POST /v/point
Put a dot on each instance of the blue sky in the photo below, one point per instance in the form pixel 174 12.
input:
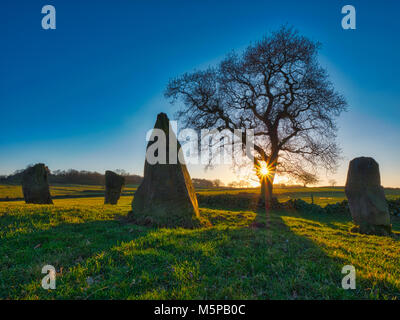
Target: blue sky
pixel 84 95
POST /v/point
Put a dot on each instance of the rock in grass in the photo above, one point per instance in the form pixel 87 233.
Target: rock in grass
pixel 166 196
pixel 367 202
pixel 35 186
pixel 114 185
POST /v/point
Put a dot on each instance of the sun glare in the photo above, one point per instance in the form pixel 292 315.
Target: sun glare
pixel 263 170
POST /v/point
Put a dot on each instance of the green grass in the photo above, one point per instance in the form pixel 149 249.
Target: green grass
pixel 99 256
pixel 322 195
pixel 61 190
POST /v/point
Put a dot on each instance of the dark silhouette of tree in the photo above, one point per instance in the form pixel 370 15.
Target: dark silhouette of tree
pixel 307 178
pixel 202 183
pixel 122 172
pixel 72 176
pixel 332 182
pixel 218 183
pixel 233 184
pixel 277 88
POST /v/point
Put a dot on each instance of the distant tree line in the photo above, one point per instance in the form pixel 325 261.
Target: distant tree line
pixel 84 177
pixel 204 183
pixel 72 176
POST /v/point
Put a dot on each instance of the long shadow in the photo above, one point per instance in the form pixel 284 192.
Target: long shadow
pixel 375 258
pixel 63 246
pixel 225 261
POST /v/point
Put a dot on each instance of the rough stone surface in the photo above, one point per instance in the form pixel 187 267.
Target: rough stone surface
pixel 367 202
pixel 35 186
pixel 114 185
pixel 166 196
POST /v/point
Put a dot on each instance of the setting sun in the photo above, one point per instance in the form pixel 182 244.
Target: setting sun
pixel 263 170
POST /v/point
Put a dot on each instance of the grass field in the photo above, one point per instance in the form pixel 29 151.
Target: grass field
pixel 99 256
pixel 322 195
pixel 65 190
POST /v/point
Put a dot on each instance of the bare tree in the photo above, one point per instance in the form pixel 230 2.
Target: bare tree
pixel 217 183
pixel 233 184
pixel 332 182
pixel 277 88
pixel 122 172
pixel 243 184
pixel 308 178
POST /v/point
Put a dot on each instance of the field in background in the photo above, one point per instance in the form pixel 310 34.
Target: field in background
pixel 63 190
pixel 99 256
pixel 322 195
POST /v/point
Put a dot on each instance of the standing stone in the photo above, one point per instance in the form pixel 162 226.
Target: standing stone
pixel 114 185
pixel 367 202
pixel 166 196
pixel 35 186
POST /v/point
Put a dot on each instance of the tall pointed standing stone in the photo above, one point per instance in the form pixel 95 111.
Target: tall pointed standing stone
pixel 367 202
pixel 166 197
pixel 114 185
pixel 35 186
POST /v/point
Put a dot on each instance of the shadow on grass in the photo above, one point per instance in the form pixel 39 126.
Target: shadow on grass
pixel 110 260
pixel 376 258
pixel 64 246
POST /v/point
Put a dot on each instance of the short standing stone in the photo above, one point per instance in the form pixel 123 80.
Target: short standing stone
pixel 367 202
pixel 166 196
pixel 114 185
pixel 35 186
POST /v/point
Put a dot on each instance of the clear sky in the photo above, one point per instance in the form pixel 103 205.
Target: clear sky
pixel 84 95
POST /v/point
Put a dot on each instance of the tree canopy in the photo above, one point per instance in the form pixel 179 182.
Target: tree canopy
pixel 277 88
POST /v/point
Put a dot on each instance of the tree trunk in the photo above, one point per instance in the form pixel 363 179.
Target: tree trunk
pixel 267 193
pixel 267 183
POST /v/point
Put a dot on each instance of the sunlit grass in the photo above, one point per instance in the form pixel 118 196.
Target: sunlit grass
pixel 321 195
pixel 67 190
pixel 98 256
